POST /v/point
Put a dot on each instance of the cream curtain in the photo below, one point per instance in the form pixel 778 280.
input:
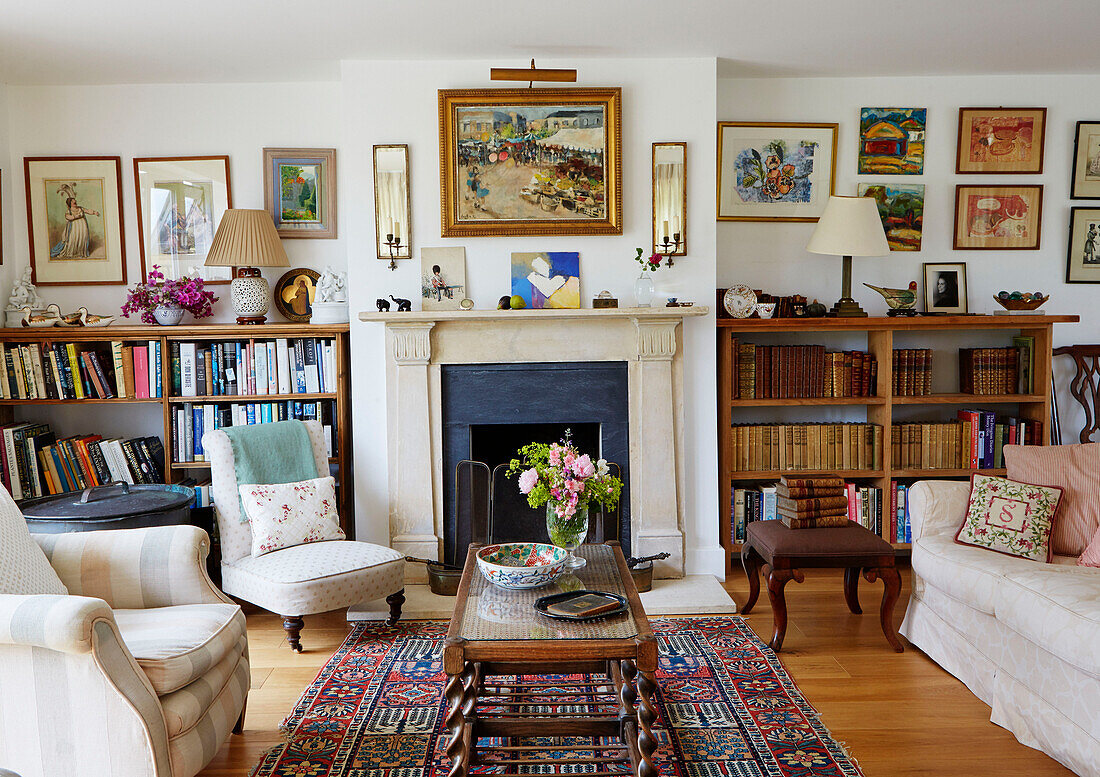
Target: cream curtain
pixel 390 201
pixel 669 180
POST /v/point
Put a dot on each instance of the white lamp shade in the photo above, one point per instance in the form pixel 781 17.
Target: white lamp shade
pixel 850 226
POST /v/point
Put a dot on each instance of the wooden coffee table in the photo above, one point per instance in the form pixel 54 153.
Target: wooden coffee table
pixel 496 635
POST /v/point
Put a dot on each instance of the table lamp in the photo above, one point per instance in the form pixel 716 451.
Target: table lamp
pixel 850 226
pixel 246 239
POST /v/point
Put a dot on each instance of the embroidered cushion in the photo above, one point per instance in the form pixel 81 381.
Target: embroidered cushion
pixel 1076 470
pixel 24 568
pixel 1010 517
pixel 1091 556
pixel 283 515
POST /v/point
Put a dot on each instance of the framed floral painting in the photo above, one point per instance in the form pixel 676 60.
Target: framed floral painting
pixel 998 217
pixel 1086 162
pixel 300 191
pixel 775 171
pixel 74 220
pixel 1001 140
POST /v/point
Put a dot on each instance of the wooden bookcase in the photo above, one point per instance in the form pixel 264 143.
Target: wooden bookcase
pixel 341 463
pixel 880 409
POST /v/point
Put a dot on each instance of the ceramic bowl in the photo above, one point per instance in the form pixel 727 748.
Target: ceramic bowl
pixel 765 309
pixel 522 564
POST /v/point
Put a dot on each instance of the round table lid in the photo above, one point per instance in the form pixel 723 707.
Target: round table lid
pixel 115 500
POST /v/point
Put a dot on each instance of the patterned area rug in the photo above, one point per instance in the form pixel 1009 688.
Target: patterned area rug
pixel 727 708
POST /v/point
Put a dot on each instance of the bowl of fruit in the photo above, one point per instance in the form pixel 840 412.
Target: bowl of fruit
pixel 1020 300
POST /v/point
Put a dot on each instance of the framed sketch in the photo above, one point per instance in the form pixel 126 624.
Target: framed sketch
pixel 775 171
pixel 74 220
pixel 1086 162
pixel 998 217
pixel 901 208
pixel 294 294
pixel 945 288
pixel 1083 249
pixel 530 161
pixel 180 202
pixel 891 140
pixel 1001 140
pixel 300 191
pixel 443 278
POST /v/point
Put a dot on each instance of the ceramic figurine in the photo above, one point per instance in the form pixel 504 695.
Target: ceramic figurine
pixel 23 294
pixel 382 305
pixel 902 302
pixel 331 286
pixel 403 305
pixel 40 320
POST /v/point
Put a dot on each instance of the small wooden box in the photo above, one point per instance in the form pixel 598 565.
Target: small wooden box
pixel 606 302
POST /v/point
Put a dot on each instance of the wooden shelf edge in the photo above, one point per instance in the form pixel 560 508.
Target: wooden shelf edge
pixel 808 401
pixel 945 473
pixel 774 474
pixel 189 332
pixel 968 399
pixel 248 399
pixel 872 323
pixel 85 401
pixel 206 464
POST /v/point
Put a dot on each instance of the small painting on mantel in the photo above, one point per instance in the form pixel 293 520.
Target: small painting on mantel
pixel 442 278
pixel 891 140
pixel 548 279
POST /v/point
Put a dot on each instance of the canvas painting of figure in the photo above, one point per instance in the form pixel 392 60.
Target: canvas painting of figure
pixel 549 279
pixel 901 208
pixel 442 278
pixel 891 141
pixel 998 217
pixel 1001 140
pixel 74 219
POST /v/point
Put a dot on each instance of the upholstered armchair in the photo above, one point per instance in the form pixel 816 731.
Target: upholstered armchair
pixel 141 671
pixel 304 579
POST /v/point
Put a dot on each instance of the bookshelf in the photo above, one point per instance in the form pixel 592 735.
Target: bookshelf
pixel 879 334
pixel 175 470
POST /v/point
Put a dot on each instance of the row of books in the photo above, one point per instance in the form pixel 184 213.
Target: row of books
pixel 35 463
pixel 801 371
pixel 300 365
pixel 55 370
pixel 862 504
pixel 912 372
pixel 806 446
pixel 191 420
pixel 990 370
pixel 975 440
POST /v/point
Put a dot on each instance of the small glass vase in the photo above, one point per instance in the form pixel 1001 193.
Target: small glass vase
pixel 567 531
pixel 643 290
pixel 168 315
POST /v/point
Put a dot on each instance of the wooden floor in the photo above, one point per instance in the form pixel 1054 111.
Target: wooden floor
pixel 897 714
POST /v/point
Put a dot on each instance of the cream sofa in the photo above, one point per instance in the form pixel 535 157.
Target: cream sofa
pixel 1024 637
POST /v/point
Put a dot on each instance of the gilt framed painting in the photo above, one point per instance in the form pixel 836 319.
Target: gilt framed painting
pixel 530 162
pixel 300 191
pixel 1086 162
pixel 993 218
pixel 775 171
pixel 74 220
pixel 1001 140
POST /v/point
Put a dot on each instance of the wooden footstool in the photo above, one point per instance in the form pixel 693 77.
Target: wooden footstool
pixel 782 553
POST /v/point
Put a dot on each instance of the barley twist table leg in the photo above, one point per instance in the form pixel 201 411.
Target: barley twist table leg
pixel 628 695
pixel 647 714
pixel 456 725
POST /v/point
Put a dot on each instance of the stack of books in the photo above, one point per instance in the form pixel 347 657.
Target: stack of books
pixel 912 374
pixel 800 446
pixel 191 420
pixel 812 502
pixel 989 370
pixel 299 365
pixel 81 370
pixel 801 371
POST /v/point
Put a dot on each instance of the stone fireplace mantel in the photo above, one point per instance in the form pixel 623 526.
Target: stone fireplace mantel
pixel 649 340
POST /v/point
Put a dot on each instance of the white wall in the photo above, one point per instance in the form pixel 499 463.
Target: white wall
pixel 7 176
pixel 396 102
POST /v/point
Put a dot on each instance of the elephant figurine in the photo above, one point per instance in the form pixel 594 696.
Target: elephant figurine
pixel 403 305
pixel 382 305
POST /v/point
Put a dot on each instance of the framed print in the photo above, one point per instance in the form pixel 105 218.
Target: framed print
pixel 891 140
pixel 530 162
pixel 1083 251
pixel 442 278
pixel 945 288
pixel 294 294
pixel 901 208
pixel 180 202
pixel 775 171
pixel 1001 140
pixel 1086 162
pixel 300 191
pixel 74 220
pixel 998 217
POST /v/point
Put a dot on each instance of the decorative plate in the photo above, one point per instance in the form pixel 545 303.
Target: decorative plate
pixel 740 301
pixel 522 564
pixel 294 294
pixel 546 601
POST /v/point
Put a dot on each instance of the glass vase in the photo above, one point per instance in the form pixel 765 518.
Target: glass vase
pixel 567 531
pixel 643 290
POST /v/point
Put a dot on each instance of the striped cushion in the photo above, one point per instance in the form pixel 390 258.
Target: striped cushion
pixel 177 645
pixel 1091 556
pixel 183 708
pixel 196 746
pixel 23 567
pixel 1076 470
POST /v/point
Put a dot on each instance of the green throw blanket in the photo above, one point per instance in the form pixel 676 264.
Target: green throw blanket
pixel 271 453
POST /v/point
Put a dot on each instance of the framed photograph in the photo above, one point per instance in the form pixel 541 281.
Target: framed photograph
pixel 1083 251
pixel 547 279
pixel 901 208
pixel 891 141
pixel 294 294
pixel 775 171
pixel 74 220
pixel 1001 140
pixel 998 217
pixel 300 191
pixel 180 202
pixel 945 288
pixel 1086 162
pixel 443 278
pixel 530 162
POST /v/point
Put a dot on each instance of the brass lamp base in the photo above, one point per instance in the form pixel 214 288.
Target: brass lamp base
pixel 847 308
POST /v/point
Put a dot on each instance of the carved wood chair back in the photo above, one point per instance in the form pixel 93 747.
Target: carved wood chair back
pixel 1085 384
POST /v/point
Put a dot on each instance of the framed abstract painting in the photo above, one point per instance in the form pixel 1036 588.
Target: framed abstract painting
pixel 1001 140
pixel 74 220
pixel 891 140
pixel 901 208
pixel 1086 162
pixel 998 217
pixel 547 279
pixel 1083 251
pixel 530 161
pixel 775 171
pixel 300 191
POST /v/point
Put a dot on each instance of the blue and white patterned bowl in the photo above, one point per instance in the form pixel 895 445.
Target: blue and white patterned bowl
pixel 522 564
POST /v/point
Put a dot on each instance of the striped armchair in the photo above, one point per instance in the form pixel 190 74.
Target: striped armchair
pixel 141 671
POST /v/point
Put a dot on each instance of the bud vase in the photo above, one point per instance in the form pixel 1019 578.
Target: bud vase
pixel 643 290
pixel 567 531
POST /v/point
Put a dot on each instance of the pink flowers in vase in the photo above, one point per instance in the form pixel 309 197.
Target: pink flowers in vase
pixel 157 291
pixel 651 262
pixel 561 474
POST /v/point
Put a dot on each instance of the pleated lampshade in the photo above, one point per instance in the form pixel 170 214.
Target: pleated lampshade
pixel 246 238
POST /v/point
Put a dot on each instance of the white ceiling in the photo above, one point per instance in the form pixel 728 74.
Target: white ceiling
pixel 143 41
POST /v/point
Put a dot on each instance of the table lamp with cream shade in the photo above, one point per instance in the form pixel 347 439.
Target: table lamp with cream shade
pixel 850 226
pixel 246 239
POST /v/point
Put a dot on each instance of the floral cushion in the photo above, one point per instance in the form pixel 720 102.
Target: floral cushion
pixel 283 515
pixel 1009 517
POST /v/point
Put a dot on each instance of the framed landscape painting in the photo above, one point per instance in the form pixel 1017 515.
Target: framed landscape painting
pixel 74 220
pixel 1083 252
pixel 1086 162
pixel 300 191
pixel 530 162
pixel 901 208
pixel 774 171
pixel 891 140
pixel 1001 140
pixel 998 217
